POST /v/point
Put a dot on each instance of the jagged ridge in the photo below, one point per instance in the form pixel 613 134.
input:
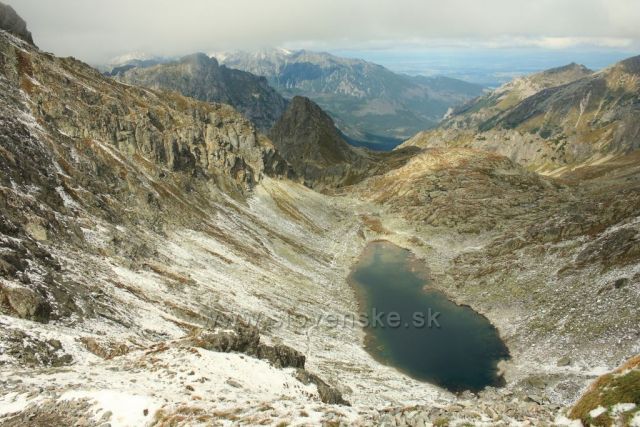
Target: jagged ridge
pixel 568 117
pixel 200 77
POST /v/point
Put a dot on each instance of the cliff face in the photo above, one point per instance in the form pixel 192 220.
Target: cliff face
pixel 74 101
pixel 307 138
pixel 77 149
pixel 201 77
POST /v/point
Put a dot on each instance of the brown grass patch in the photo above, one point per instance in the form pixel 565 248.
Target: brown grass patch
pixel 24 63
pixel 133 291
pixel 26 85
pixel 105 349
pixel 619 386
pixel 219 256
pixel 162 271
pixel 229 414
pixel 374 224
pixel 157 348
pixel 290 210
pixel 181 416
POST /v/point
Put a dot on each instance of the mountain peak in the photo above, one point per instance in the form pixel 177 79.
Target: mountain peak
pixel 631 65
pixel 309 141
pixel 11 22
pixel 307 105
pixel 306 121
pixel 559 75
pixel 572 67
pixel 199 59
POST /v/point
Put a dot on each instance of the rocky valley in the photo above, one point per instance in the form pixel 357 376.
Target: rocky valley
pixel 166 260
pixel 374 106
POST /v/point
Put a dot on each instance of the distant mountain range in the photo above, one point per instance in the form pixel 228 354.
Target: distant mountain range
pixel 372 106
pixel 369 103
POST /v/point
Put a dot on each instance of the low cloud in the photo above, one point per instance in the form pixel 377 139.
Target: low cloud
pixel 95 30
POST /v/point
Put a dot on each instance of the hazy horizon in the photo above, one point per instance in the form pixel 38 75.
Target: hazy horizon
pixel 408 36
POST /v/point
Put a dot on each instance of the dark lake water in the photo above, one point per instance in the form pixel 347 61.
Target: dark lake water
pixel 457 349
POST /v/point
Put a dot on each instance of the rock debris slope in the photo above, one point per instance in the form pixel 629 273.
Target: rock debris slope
pixel 139 234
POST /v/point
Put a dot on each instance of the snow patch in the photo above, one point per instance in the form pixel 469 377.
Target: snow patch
pixel 620 408
pixel 595 413
pixel 566 422
pixel 127 409
pixel 66 198
pixel 14 402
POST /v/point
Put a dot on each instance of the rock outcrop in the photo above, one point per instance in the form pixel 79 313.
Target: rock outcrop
pixel 24 302
pixel 12 22
pixel 306 137
pixel 328 394
pixel 308 140
pixel 246 339
pixel 197 138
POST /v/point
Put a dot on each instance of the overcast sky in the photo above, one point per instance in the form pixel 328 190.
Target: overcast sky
pixel 97 30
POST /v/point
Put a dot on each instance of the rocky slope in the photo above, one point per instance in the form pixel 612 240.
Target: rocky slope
pixel 368 102
pixel 102 185
pixel 540 258
pixel 201 77
pixel 551 122
pixel 477 111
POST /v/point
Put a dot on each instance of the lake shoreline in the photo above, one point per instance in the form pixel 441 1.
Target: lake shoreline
pixel 382 350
